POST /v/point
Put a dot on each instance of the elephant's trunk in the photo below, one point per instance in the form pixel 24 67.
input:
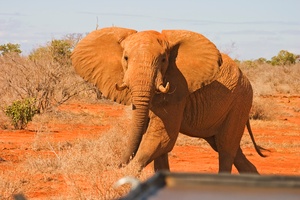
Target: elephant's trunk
pixel 141 94
pixel 138 126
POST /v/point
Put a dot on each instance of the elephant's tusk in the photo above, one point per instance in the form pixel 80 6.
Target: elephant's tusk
pixel 164 89
pixel 121 87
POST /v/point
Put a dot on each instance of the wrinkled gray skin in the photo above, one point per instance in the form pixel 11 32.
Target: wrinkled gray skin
pixel 177 81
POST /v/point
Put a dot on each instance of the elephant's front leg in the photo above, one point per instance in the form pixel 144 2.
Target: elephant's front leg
pixel 160 137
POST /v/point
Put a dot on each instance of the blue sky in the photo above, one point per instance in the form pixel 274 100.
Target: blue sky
pixel 245 29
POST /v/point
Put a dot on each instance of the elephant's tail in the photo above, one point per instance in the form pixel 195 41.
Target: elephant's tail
pixel 257 148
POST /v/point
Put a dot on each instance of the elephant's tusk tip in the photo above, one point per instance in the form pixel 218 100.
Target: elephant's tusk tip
pixel 164 89
pixel 121 87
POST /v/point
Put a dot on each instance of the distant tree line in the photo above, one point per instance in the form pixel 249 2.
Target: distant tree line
pixel 283 58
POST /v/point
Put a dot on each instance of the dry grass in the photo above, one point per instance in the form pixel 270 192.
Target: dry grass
pixel 88 167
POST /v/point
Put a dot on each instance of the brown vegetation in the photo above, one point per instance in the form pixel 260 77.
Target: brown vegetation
pixel 269 80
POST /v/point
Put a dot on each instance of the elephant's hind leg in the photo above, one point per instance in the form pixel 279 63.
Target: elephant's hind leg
pixel 242 164
pixel 228 139
pixel 162 163
pixel 226 157
pixel 225 162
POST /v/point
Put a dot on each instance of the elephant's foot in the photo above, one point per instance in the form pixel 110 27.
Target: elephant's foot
pixel 243 165
pixel 133 168
pixel 249 169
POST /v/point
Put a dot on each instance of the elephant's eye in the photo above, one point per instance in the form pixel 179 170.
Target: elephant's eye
pixel 126 58
pixel 163 58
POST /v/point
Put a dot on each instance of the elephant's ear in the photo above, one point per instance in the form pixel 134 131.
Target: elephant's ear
pixel 195 56
pixel 97 58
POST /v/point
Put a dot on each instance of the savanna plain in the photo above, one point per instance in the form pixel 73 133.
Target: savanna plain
pixel 71 148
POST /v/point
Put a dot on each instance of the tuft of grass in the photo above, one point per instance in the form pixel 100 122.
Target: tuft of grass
pixel 261 109
pixel 10 185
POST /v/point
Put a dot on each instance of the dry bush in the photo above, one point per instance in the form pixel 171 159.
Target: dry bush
pixel 262 109
pixel 5 121
pixel 45 80
pixel 265 108
pixel 273 80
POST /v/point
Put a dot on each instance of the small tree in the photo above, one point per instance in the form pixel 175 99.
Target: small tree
pixel 283 58
pixel 10 48
pixel 59 50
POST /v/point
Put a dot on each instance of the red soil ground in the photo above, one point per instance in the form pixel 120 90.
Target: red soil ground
pixel 283 158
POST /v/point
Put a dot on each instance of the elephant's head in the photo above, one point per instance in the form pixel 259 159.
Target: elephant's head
pixel 130 67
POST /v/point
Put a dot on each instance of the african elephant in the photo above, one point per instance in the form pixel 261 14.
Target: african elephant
pixel 175 82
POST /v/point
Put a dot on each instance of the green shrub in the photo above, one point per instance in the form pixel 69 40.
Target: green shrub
pixel 21 112
pixel 283 58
